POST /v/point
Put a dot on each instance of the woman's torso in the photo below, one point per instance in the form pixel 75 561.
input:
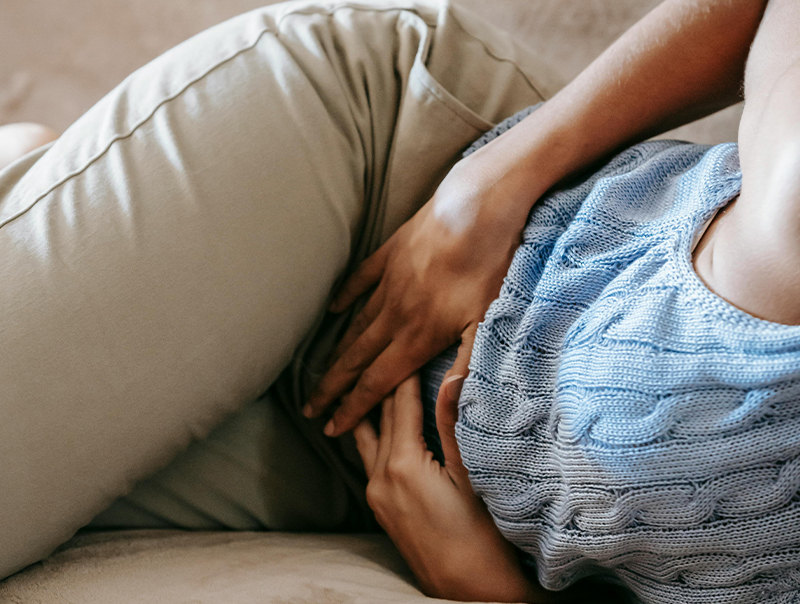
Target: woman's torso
pixel 621 419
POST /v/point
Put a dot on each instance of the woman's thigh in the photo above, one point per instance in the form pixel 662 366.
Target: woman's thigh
pixel 172 253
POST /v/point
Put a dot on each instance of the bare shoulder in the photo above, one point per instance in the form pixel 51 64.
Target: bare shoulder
pixel 751 256
pixel 775 49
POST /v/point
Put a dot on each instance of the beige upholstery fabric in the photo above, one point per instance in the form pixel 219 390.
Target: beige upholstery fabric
pixel 169 567
pixel 176 567
pixel 61 56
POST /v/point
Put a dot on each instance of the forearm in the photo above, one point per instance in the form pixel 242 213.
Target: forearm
pixel 682 61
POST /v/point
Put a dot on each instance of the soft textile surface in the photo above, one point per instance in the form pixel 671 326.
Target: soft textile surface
pixel 171 567
pixel 61 56
pixel 174 567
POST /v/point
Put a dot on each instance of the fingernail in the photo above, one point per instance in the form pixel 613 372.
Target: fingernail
pixel 453 386
pixel 330 428
pixel 308 410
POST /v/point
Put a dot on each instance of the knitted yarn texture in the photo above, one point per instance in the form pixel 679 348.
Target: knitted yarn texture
pixel 621 420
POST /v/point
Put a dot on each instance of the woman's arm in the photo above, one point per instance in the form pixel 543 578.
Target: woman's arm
pixel 682 61
pixel 436 276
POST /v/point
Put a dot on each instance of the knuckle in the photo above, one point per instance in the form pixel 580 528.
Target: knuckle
pixel 369 386
pixel 376 494
pixel 420 332
pixel 394 305
pixel 413 332
pixel 351 363
pixel 398 469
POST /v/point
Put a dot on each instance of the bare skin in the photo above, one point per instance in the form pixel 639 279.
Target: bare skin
pixel 750 255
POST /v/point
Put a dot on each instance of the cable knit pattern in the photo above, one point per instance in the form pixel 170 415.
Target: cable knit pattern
pixel 620 419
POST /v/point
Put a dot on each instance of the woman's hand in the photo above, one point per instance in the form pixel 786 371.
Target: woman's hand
pixel 441 528
pixel 436 277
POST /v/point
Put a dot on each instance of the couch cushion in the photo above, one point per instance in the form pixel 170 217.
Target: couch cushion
pixel 171 567
pixel 98 42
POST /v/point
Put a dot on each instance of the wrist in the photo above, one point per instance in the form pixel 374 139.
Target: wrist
pixel 530 159
pixel 559 140
pixel 516 589
pixel 490 573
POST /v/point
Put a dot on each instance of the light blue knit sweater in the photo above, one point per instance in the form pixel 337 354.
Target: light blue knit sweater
pixel 620 419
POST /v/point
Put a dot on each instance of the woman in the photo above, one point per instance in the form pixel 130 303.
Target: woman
pixel 106 269
pixel 747 255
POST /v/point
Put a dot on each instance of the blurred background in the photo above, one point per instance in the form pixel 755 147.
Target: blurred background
pixel 59 57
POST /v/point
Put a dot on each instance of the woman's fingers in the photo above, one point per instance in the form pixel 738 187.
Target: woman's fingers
pixel 364 277
pixel 348 367
pixel 367 445
pixel 385 442
pixel 461 364
pixel 363 320
pixel 407 429
pixel 447 406
pixel 447 415
pixel 390 368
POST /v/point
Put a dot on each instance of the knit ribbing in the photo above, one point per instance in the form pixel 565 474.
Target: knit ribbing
pixel 619 418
